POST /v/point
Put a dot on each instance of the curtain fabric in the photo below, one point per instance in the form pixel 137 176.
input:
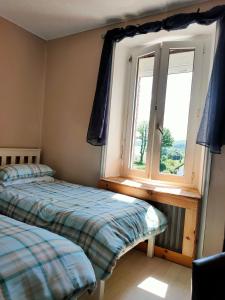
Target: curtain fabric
pixel 212 129
pixel 97 129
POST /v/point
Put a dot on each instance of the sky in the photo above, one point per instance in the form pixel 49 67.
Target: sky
pixel 177 103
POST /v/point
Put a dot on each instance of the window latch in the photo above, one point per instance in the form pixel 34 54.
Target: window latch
pixel 160 129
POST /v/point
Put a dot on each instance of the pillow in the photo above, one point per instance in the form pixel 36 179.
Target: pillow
pixel 26 180
pixel 13 172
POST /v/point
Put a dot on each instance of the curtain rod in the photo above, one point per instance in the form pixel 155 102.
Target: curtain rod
pixel 104 34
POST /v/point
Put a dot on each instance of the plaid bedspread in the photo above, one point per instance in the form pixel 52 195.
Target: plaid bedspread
pixel 39 265
pixel 103 223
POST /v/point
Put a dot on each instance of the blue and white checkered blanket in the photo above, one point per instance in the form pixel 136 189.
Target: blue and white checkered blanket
pixel 103 223
pixel 39 265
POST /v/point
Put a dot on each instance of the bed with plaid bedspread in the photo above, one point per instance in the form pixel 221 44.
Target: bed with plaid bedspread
pixel 103 223
pixel 37 264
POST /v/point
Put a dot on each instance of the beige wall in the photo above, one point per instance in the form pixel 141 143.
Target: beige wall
pixel 22 61
pixel 72 65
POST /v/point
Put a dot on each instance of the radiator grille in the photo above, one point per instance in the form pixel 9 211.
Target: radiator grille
pixel 172 238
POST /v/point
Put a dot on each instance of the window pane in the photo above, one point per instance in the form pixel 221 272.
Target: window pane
pixel 178 94
pixel 142 112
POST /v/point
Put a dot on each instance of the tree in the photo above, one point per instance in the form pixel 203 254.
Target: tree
pixel 162 166
pixel 167 139
pixel 143 136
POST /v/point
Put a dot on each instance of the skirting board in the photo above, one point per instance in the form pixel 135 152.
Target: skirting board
pixel 168 254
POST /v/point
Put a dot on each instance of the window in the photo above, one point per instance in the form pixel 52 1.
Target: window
pixel 165 101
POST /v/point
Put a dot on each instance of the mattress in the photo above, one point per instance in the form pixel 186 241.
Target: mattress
pixel 37 264
pixel 103 223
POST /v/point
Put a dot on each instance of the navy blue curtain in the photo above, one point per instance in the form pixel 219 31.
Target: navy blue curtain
pixel 212 129
pixel 97 129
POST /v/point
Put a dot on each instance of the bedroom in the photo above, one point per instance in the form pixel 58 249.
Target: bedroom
pixel 48 79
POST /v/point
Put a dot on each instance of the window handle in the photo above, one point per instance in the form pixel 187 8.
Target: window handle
pixel 160 129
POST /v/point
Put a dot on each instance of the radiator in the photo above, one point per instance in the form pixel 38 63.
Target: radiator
pixel 172 238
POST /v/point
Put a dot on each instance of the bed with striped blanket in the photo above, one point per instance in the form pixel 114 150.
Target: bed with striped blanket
pixel 103 223
pixel 37 264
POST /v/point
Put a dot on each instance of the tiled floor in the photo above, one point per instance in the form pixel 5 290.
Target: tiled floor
pixel 138 277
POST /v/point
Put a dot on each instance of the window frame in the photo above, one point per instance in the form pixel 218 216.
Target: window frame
pixel 130 127
pixel 195 105
pixel 162 51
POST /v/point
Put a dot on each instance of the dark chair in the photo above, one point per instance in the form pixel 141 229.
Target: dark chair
pixel 208 278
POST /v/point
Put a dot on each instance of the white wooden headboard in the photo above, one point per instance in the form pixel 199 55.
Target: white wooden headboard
pixel 11 156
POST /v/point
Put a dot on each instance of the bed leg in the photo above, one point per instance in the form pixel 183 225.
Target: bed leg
pixel 151 245
pixel 98 292
pixel 101 289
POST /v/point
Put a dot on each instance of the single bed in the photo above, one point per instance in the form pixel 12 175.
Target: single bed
pixel 106 225
pixel 37 264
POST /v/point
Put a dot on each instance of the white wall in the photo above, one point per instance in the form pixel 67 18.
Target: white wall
pixel 215 213
pixel 117 112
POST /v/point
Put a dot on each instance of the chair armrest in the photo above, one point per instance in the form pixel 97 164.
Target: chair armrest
pixel 208 278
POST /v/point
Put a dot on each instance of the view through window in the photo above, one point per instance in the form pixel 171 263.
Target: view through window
pixel 143 106
pixel 175 125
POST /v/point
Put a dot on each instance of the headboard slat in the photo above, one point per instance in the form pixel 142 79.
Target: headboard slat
pixel 13 160
pixel 3 162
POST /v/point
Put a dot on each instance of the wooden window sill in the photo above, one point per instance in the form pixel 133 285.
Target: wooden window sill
pixel 158 191
pixel 156 185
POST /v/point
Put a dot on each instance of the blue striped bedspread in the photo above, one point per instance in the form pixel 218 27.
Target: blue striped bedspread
pixel 39 265
pixel 103 223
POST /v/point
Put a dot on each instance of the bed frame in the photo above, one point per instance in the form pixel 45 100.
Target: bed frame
pixel 9 156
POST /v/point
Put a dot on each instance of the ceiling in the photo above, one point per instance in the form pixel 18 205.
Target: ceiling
pixel 51 19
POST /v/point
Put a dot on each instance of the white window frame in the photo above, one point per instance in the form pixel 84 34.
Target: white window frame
pixel 157 111
pixel 129 140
